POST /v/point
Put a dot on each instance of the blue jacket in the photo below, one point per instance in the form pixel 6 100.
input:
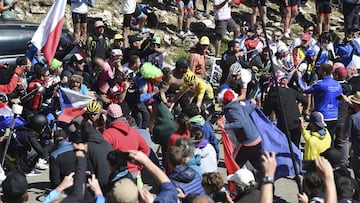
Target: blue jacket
pixel 187 179
pixel 238 119
pixel 325 92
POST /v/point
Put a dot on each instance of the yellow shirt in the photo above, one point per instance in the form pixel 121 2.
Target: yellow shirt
pixel 202 89
pixel 315 143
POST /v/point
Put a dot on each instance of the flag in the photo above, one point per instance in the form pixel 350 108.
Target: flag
pixel 274 140
pixel 72 104
pixel 46 37
pixel 6 117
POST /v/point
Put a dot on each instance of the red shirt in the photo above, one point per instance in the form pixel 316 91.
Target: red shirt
pixel 177 135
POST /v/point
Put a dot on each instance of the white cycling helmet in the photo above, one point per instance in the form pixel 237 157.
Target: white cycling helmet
pixel 235 69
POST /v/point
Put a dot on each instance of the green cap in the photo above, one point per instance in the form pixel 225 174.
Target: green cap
pixel 156 40
pixel 55 64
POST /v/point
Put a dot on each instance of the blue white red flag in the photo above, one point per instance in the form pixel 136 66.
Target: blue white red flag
pixel 6 117
pixel 72 104
pixel 47 36
pixel 274 140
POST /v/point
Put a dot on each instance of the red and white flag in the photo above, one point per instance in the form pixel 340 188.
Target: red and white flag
pixel 73 104
pixel 47 36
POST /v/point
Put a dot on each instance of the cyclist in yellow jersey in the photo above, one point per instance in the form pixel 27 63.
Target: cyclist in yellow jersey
pixel 198 87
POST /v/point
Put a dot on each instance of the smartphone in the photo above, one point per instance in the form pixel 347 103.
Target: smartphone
pixel 308 166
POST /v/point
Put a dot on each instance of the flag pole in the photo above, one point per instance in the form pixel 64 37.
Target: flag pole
pixel 287 131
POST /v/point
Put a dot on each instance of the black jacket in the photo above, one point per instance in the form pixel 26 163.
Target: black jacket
pixel 290 99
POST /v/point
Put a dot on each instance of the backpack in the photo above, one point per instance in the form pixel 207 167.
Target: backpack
pixel 92 44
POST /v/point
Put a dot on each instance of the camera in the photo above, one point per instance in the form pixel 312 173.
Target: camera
pixel 219 196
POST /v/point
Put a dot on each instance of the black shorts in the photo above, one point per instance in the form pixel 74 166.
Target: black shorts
pixel 289 3
pixel 254 3
pixel 127 17
pixel 323 7
pixel 79 18
pixel 222 25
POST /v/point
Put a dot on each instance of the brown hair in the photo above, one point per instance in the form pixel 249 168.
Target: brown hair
pixel 212 180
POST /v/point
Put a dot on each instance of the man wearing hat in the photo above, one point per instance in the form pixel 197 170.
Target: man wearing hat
pixel 352 131
pixel 197 58
pixel 245 186
pixel 76 84
pixel 238 120
pixel 76 66
pixel 136 47
pixel 56 68
pixel 118 42
pixel 123 137
pixel 98 45
pixel 318 139
pixel 299 52
pixel 154 53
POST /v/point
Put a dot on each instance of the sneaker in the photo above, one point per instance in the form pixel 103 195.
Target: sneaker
pixel 41 160
pixel 34 172
pixel 189 33
pixel 41 164
pixel 181 33
pixel 144 30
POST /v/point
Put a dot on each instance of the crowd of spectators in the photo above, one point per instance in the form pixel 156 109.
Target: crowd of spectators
pixel 107 154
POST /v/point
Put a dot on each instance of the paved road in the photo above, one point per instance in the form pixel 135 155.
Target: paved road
pixel 286 189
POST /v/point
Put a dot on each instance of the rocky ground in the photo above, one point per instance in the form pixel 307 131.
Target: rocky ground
pixel 110 12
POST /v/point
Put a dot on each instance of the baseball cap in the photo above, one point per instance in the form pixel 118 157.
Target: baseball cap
pixel 306 36
pixel 118 37
pixel 124 191
pixel 77 57
pixel 204 40
pixel 134 38
pixel 242 177
pixel 55 64
pixel 116 52
pixel 59 136
pixel 99 23
pixel 341 72
pixel 318 118
pixel 15 185
pixel 282 49
pixel 114 110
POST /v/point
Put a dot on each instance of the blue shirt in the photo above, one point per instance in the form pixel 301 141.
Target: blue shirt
pixel 325 93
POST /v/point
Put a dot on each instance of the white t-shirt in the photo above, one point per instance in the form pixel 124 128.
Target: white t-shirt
pixel 208 158
pixel 274 46
pixel 128 6
pixel 224 13
pixel 79 7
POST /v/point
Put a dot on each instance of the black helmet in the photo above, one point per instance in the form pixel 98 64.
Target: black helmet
pixel 38 122
pixel 182 63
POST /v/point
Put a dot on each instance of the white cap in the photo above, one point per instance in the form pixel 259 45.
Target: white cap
pixel 242 177
pixel 116 52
